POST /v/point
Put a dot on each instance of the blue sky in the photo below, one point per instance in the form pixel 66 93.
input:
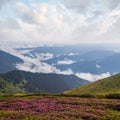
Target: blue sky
pixel 60 21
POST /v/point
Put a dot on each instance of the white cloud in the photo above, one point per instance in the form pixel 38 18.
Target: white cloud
pixel 44 56
pixel 65 61
pixel 81 6
pixel 66 72
pixel 93 77
pixel 35 65
pixel 71 54
pixel 3 3
pixel 61 21
pixel 33 16
pixel 98 66
pixel 111 4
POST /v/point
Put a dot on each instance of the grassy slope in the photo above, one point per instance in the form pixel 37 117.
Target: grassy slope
pixel 101 87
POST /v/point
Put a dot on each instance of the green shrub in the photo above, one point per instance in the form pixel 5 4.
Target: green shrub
pixel 113 96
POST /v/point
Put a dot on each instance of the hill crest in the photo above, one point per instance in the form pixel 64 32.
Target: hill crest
pixel 101 87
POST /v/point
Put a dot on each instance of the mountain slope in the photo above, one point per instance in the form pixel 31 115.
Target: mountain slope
pixel 40 82
pixel 8 61
pixel 7 87
pixel 111 63
pixel 104 86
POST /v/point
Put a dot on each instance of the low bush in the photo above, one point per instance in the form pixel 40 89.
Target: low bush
pixel 113 96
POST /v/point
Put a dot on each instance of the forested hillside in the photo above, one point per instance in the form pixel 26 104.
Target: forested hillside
pixel 41 82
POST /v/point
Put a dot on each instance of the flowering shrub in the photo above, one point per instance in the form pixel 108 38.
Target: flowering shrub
pixel 58 108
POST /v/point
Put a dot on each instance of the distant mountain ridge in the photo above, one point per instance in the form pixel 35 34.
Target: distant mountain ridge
pixel 111 63
pixel 8 62
pixel 101 87
pixel 76 59
pixel 87 62
pixel 41 82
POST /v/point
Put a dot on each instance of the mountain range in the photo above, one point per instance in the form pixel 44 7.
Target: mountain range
pixel 63 60
pixel 79 59
pixel 39 82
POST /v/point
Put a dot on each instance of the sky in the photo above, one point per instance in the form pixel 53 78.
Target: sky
pixel 60 21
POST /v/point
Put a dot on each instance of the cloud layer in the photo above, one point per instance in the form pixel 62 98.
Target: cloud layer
pixel 93 77
pixel 61 21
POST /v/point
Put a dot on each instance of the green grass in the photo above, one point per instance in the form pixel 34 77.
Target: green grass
pixel 106 86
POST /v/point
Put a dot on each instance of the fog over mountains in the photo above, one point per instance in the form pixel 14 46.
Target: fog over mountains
pixel 89 62
pixel 94 24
